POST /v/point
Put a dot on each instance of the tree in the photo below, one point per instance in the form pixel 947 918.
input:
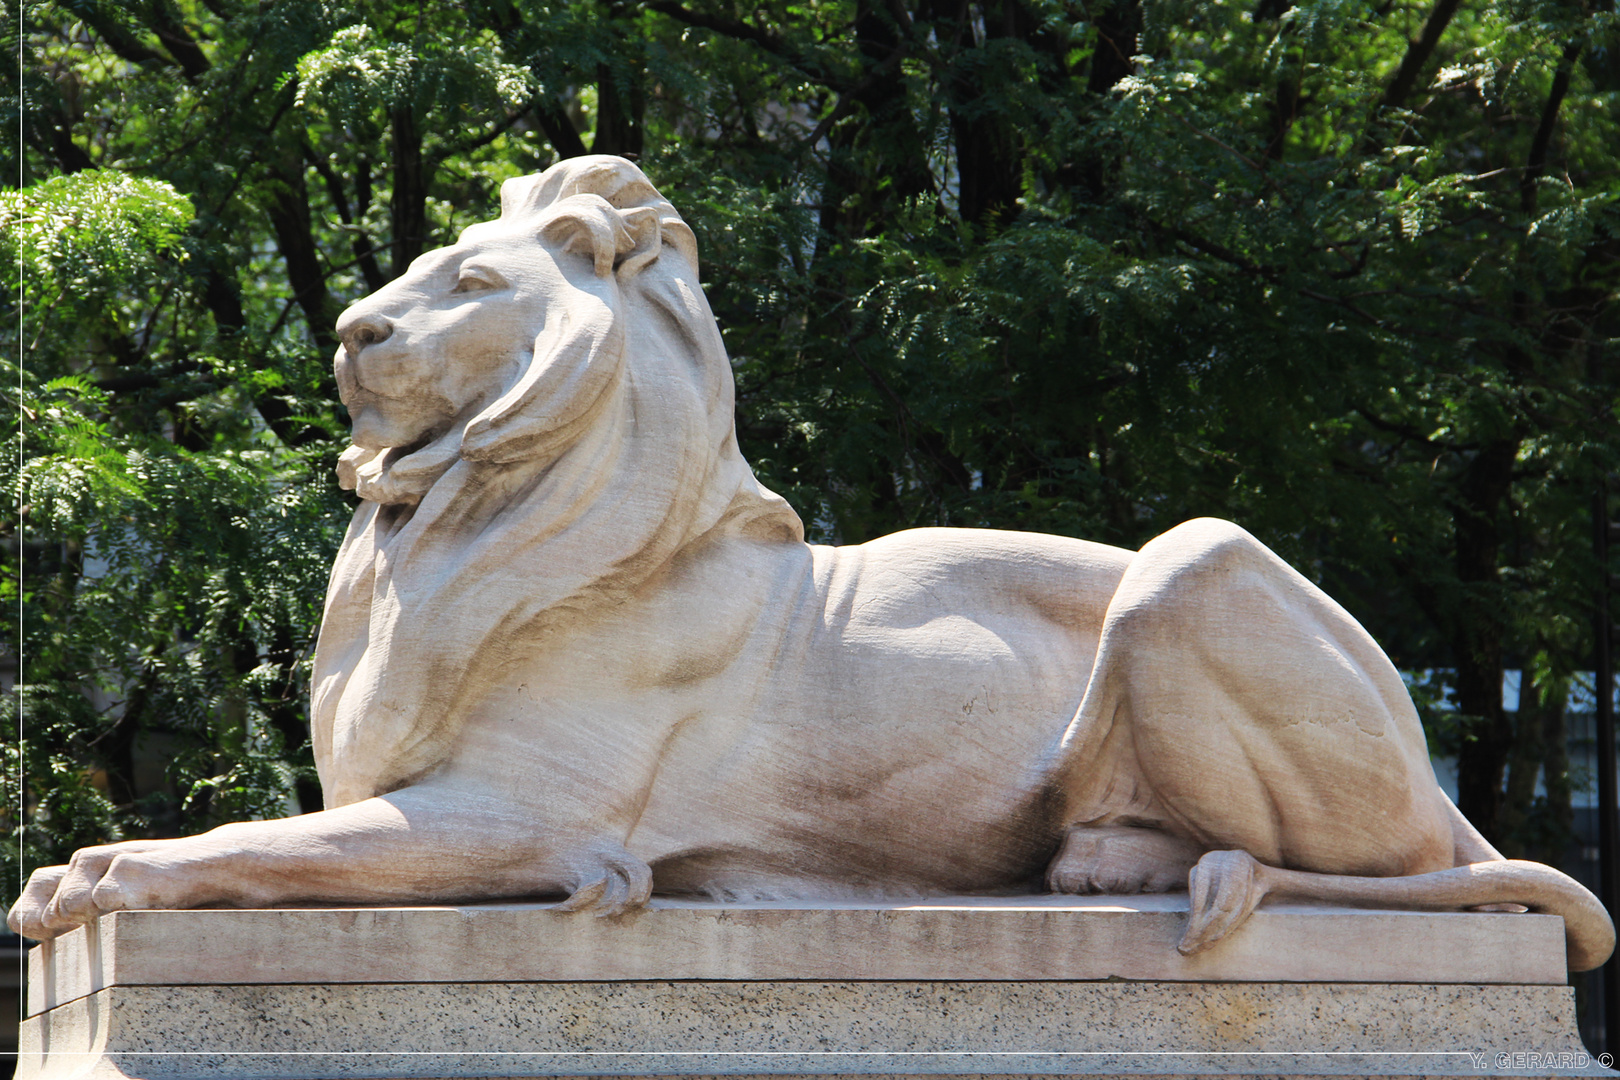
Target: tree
pixel 1343 272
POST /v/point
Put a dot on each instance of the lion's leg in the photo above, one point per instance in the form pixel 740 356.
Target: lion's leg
pixel 1116 860
pixel 417 844
pixel 1259 715
pixel 1256 716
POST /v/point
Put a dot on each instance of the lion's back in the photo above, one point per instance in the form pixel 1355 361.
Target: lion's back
pixel 988 573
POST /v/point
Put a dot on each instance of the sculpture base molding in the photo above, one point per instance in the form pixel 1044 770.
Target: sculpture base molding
pixel 401 998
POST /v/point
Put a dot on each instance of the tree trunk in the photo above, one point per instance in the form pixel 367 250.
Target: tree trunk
pixel 409 201
pixel 989 161
pixel 1560 824
pixel 620 105
pixel 559 130
pixel 1477 634
pixel 857 195
pixel 290 216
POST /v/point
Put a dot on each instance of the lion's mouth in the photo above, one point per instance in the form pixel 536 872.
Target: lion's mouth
pixel 396 453
pixel 350 392
pixel 354 393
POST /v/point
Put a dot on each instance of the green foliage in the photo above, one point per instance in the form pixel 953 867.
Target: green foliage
pixel 357 76
pixel 1090 268
pixel 81 240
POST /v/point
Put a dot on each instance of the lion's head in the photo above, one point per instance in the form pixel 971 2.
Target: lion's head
pixel 542 417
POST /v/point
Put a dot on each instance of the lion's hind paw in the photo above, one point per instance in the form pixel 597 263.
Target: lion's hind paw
pixel 1225 887
pixel 1119 860
pixel 618 883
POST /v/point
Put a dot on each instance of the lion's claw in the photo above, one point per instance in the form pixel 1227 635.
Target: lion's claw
pixel 585 896
pixel 27 915
pixel 621 883
pixel 1224 889
pixel 96 881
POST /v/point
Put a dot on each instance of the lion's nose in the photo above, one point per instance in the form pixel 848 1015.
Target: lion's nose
pixel 358 331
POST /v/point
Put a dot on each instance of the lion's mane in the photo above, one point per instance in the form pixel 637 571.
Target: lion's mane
pixel 612 450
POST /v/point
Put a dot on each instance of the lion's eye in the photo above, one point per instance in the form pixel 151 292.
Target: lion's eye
pixel 477 281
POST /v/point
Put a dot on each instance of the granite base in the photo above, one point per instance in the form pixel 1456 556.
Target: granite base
pixel 805 1029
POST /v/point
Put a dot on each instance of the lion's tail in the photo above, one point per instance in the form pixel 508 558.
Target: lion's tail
pixel 1480 877
pixel 1588 931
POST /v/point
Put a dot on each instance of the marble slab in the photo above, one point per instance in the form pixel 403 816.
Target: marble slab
pixel 951 939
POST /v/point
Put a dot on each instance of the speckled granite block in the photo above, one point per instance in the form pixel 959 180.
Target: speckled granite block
pixel 913 1029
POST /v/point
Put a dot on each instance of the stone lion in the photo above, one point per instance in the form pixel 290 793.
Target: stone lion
pixel 572 647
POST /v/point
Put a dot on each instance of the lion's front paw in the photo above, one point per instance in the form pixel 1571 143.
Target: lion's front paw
pixel 95 881
pixel 609 883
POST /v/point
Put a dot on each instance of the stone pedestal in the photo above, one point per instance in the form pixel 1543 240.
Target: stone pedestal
pixel 985 987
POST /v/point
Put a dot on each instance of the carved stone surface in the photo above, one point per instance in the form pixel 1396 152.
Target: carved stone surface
pixel 947 987
pixel 951 940
pixel 573 648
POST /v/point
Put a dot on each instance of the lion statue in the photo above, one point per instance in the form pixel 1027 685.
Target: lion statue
pixel 572 647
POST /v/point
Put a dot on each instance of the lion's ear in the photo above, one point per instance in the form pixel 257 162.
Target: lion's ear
pixel 646 236
pixel 615 240
pixel 586 225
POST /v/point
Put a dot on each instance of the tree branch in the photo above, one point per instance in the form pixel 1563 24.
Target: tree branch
pixel 742 31
pixel 1536 164
pixel 117 38
pixel 180 44
pixel 848 98
pixel 484 138
pixel 1116 25
pixel 70 156
pixel 145 380
pixel 1411 434
pixel 295 299
pixel 1418 51
pixel 733 28
pixel 364 249
pixel 559 131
